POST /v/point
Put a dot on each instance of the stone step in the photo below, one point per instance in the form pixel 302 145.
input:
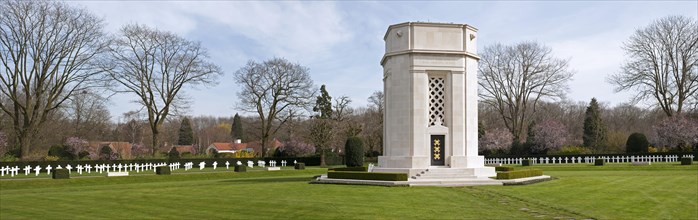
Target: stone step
pixel 455 182
pixel 444 175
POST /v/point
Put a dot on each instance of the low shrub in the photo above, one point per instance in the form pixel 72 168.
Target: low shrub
pixel 686 161
pixel 367 176
pixel 599 162
pixel 240 168
pixel 364 169
pixel 60 174
pixel 503 169
pixel 173 154
pixel 299 166
pixel 637 143
pixel 526 162
pixel 163 170
pixel 51 158
pixel 515 174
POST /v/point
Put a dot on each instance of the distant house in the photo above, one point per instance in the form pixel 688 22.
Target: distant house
pixel 122 148
pixel 222 147
pixel 254 146
pixel 185 149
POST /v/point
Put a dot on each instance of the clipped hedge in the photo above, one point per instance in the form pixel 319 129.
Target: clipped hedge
pixel 299 166
pixel 503 169
pixel 240 168
pixel 364 169
pixel 686 161
pixel 163 170
pixel 526 162
pixel 60 174
pixel 516 174
pixel 367 176
pixel 599 162
pixel 354 152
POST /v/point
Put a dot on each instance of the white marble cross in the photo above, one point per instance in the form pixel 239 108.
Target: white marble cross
pixel 250 164
pixel 227 165
pixel 2 171
pixel 202 165
pixel 215 164
pixel 48 169
pixel 27 169
pixel 283 163
pixel 79 169
pixel 36 170
pixel 88 168
pixel 68 167
pixel 239 163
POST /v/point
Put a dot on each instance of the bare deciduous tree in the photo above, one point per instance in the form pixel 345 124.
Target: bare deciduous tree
pixel 47 49
pixel 662 64
pixel 513 77
pixel 155 66
pixel 88 113
pixel 276 90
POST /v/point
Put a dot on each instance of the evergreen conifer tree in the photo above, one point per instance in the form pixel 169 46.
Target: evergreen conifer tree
pixel 594 129
pixel 186 134
pixel 237 132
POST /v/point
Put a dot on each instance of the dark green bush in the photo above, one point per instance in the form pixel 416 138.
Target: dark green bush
pixel 163 170
pixel 527 163
pixel 240 168
pixel 365 169
pixel 173 154
pixel 60 174
pixel 686 161
pixel 299 166
pixel 60 152
pixel 367 176
pixel 599 162
pixel 637 143
pixel 105 153
pixel 504 169
pixel 354 152
pixel 515 174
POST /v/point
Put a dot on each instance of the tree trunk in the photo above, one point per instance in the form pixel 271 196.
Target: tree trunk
pixel 155 140
pixel 322 157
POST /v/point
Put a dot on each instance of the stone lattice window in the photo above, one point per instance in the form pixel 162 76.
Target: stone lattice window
pixel 437 100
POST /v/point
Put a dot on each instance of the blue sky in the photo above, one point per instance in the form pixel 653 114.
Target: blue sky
pixel 342 42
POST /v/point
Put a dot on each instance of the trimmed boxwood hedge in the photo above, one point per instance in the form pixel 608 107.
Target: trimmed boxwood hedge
pixel 503 168
pixel 60 174
pixel 599 162
pixel 299 166
pixel 163 170
pixel 367 176
pixel 526 162
pixel 240 168
pixel 364 169
pixel 686 161
pixel 515 174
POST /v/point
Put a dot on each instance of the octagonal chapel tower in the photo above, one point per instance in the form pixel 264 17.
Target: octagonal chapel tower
pixel 430 85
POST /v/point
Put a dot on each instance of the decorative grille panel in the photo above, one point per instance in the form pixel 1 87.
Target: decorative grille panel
pixel 437 100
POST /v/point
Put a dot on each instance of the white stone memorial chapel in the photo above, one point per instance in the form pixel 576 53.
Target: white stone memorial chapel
pixel 430 86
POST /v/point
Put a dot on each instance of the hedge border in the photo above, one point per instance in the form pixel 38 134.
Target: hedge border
pixel 163 170
pixel 364 169
pixel 60 174
pixel 516 174
pixel 503 169
pixel 366 176
pixel 686 161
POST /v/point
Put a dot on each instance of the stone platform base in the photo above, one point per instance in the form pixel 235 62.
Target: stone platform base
pixel 445 182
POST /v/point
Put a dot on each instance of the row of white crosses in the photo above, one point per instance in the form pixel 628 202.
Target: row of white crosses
pixel 588 159
pixel 101 168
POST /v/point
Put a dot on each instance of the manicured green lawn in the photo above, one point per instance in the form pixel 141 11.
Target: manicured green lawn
pixel 661 191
